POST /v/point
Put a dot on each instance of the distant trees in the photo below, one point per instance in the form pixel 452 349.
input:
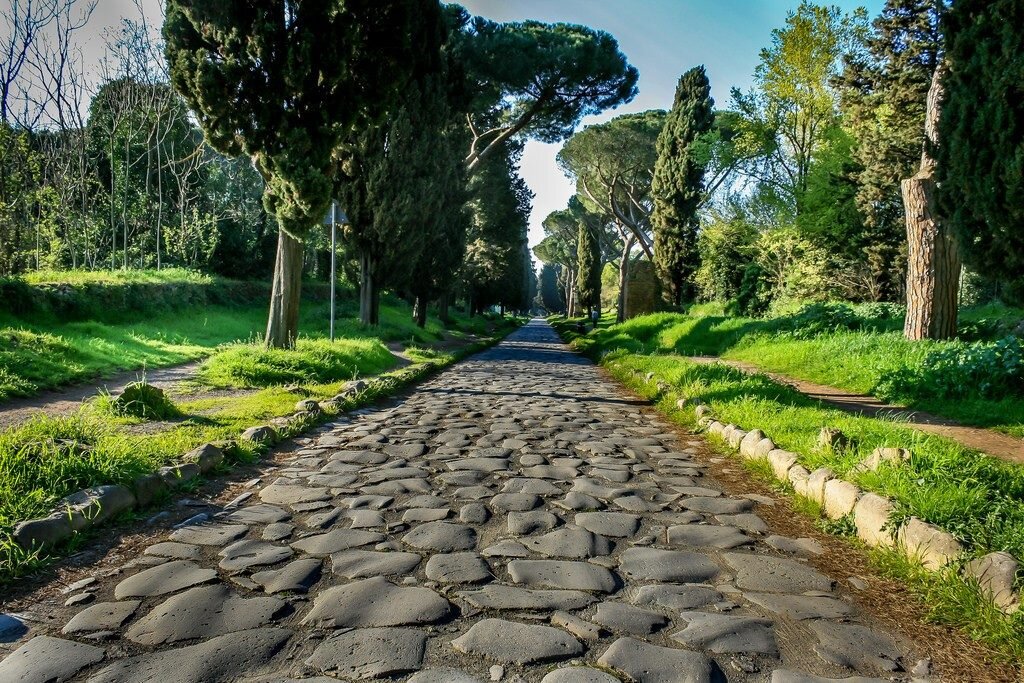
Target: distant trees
pixel 677 187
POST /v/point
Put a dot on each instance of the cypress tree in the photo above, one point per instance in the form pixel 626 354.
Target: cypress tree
pixel 282 81
pixel 981 137
pixel 588 259
pixel 678 185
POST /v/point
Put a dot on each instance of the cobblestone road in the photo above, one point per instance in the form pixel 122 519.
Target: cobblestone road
pixel 516 518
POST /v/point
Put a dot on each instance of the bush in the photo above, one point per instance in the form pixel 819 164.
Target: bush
pixel 141 399
pixel 960 370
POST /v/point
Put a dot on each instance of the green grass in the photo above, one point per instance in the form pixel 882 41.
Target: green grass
pixel 860 361
pixel 318 361
pixel 149 276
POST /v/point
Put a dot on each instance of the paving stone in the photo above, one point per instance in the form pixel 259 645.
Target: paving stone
pixel 499 597
pixel 420 515
pixel 511 642
pixel 442 537
pixel 787 676
pixel 223 659
pixel 765 574
pixel 625 618
pixel 464 567
pixel 258 514
pixel 802 606
pixel 103 616
pixel 211 533
pixel 163 579
pixel 612 524
pixel 177 551
pixel 582 629
pixel 376 602
pixel 294 577
pixel 517 502
pixel 525 523
pixel 12 628
pixel 653 564
pixel 727 634
pixel 646 663
pixel 277 531
pixel 855 647
pixel 539 487
pixel 571 542
pixel 203 612
pixel 801 547
pixel 359 564
pixel 474 513
pixel 745 521
pixel 507 548
pixel 277 494
pixel 578 674
pixel 574 500
pixel 562 574
pixel 717 506
pixel 335 541
pixel 45 659
pixel 707 535
pixel 248 553
pixel 370 653
pixel 676 598
pixel 443 675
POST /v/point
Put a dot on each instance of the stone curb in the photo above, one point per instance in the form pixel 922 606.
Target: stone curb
pixel 88 508
pixel 871 513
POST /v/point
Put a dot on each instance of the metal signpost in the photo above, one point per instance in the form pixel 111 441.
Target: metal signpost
pixel 334 216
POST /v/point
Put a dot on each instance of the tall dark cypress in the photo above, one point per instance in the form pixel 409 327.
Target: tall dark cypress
pixel 678 185
pixel 981 138
pixel 588 259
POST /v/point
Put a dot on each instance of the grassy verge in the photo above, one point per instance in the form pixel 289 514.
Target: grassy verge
pixel 979 499
pixel 851 351
pixel 51 457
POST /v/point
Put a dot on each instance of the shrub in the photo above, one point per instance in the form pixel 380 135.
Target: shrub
pixel 960 370
pixel 141 399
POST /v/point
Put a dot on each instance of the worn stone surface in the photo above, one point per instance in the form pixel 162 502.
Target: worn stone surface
pixel 517 518
pixel 514 643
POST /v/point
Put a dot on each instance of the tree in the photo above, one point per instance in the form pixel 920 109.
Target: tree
pixel 537 80
pixel 981 134
pixel 588 258
pixel 934 261
pixel 677 187
pixel 883 91
pixel 789 113
pixel 307 73
pixel 551 296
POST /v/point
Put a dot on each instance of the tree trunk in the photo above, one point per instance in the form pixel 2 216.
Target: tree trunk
pixel 283 322
pixel 419 312
pixel 934 263
pixel 368 309
pixel 620 315
pixel 442 308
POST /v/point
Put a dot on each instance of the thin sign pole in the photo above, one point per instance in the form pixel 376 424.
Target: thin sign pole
pixel 334 243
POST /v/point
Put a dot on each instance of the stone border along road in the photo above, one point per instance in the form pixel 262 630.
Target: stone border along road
pixel 515 516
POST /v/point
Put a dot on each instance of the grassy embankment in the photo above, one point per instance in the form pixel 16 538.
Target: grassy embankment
pixel 50 457
pixel 978 498
pixel 857 350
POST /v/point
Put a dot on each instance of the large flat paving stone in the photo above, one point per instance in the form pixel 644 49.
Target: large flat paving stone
pixel 294 577
pixel 247 553
pixel 47 660
pixel 571 542
pixel 103 616
pixel 727 634
pixel 500 597
pixel 278 494
pixel 223 659
pixel 370 653
pixel 856 647
pixel 624 618
pixel 163 579
pixel 646 663
pixel 578 674
pixel 801 607
pixel 443 675
pixel 562 574
pixel 766 574
pixel 360 564
pixel 511 642
pixel 613 524
pixel 676 598
pixel 203 612
pixel 707 535
pixel 464 567
pixel 376 602
pixel 654 564
pixel 212 533
pixel 322 545
pixel 261 513
pixel 442 537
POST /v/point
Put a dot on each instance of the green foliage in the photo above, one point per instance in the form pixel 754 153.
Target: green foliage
pixel 677 187
pixel 990 370
pixel 550 293
pixel 588 258
pixel 312 360
pixel 981 158
pixel 141 400
pixel 726 248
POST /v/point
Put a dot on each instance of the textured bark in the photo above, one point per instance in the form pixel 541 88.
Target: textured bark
pixel 419 312
pixel 369 299
pixel 934 262
pixel 442 308
pixel 624 278
pixel 283 321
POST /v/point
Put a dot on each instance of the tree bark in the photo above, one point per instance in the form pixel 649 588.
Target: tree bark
pixel 934 262
pixel 442 308
pixel 620 315
pixel 369 307
pixel 283 321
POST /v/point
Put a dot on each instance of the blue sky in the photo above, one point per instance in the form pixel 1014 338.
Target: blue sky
pixel 662 38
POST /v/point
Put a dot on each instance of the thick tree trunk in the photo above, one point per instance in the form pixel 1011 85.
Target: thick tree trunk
pixel 620 315
pixel 419 312
pixel 368 307
pixel 283 321
pixel 934 263
pixel 442 308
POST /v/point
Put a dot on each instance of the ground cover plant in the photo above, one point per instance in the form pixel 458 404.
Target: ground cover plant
pixel 859 348
pixel 977 498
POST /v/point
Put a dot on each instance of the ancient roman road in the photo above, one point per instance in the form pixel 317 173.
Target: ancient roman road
pixel 516 517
